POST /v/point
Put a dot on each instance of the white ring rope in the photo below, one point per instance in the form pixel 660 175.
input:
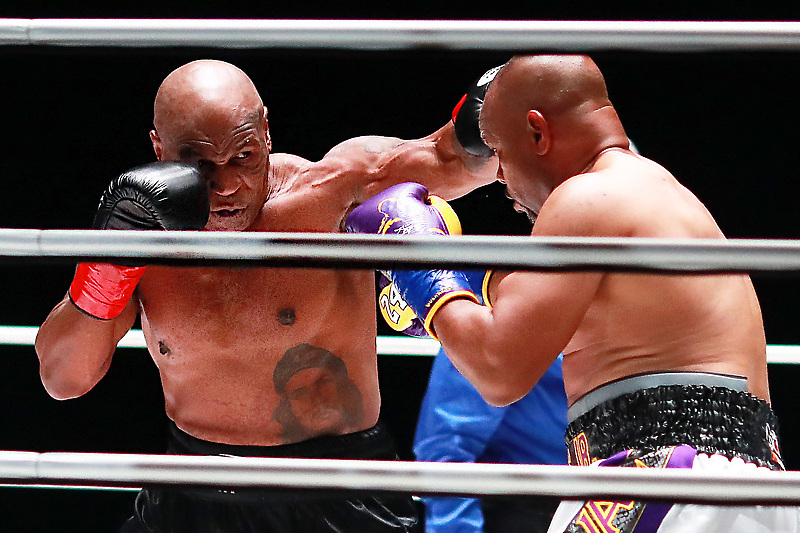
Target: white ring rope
pixel 387 345
pixel 87 469
pixel 655 36
pixel 191 248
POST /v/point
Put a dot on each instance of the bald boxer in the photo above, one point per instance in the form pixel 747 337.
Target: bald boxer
pixel 267 362
pixel 660 371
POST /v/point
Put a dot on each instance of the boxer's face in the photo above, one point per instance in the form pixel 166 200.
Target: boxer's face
pixel 231 147
pixel 505 133
pixel 316 400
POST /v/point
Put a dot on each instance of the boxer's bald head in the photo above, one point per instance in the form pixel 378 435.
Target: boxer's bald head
pixel 552 83
pixel 547 117
pixel 209 113
pixel 205 90
pixel 564 87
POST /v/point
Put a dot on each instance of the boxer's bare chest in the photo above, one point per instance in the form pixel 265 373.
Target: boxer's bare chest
pixel 219 336
pixel 250 310
pixel 222 333
pixel 241 308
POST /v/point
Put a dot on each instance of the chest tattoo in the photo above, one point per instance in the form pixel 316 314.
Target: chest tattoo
pixel 317 396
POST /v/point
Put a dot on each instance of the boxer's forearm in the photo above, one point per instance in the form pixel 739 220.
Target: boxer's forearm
pixel 465 331
pixel 75 349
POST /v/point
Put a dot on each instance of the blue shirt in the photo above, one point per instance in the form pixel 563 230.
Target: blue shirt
pixel 457 425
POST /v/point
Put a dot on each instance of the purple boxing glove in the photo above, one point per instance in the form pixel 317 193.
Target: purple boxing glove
pixel 407 209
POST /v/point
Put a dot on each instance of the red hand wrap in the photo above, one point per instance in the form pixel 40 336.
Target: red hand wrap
pixel 102 289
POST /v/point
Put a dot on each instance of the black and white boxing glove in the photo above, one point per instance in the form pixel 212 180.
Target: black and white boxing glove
pixel 467 113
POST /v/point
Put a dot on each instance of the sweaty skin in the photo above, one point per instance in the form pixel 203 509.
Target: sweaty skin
pixel 564 158
pixel 218 335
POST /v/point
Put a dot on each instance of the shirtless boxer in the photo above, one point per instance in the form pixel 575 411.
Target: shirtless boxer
pixel 687 354
pixel 268 362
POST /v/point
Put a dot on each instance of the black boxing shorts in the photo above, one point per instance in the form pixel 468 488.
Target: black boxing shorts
pixel 216 509
pixel 702 421
pixel 713 413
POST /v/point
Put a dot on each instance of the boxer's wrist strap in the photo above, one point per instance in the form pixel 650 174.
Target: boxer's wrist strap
pixel 102 290
pixel 438 305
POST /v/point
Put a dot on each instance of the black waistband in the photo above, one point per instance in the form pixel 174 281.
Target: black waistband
pixel 622 386
pixel 371 444
pixel 712 419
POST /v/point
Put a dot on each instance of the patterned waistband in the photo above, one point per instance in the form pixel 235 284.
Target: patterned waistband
pixel 646 381
pixel 712 419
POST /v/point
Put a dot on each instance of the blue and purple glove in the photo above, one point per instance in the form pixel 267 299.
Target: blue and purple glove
pixel 408 209
pixel 399 315
pixel 396 312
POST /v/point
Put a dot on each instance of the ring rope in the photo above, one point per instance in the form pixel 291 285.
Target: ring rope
pixel 387 345
pixel 194 248
pixel 758 486
pixel 654 36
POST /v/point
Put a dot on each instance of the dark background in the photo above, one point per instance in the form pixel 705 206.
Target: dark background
pixel 723 123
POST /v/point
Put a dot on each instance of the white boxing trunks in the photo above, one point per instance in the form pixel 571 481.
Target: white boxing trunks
pixel 707 422
pixel 632 516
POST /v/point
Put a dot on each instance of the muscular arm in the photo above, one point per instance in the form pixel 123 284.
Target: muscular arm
pixel 461 172
pixel 505 349
pixel 78 338
pixel 438 161
pixel 75 349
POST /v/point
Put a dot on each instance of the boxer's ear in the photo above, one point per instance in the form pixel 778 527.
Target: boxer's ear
pixel 539 131
pixel 265 125
pixel 158 146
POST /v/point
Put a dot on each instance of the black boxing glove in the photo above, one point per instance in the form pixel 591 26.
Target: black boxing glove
pixel 163 195
pixel 468 111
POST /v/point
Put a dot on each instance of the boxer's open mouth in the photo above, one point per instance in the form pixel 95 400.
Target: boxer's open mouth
pixel 227 212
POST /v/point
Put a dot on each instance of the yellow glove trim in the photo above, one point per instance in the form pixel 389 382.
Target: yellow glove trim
pixel 440 302
pixel 485 288
pixel 395 311
pixel 449 216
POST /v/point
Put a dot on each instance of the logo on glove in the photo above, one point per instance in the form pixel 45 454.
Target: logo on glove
pixel 397 313
pixel 406 227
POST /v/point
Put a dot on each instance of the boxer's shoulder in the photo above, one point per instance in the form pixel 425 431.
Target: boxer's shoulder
pixel 285 169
